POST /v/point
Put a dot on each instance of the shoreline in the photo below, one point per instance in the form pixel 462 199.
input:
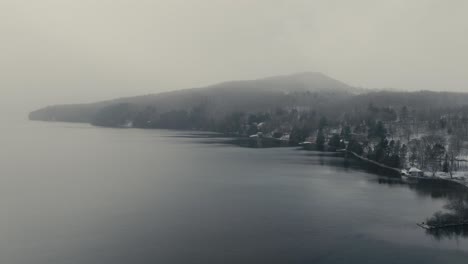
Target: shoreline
pixel 397 172
pixel 375 166
pixel 265 142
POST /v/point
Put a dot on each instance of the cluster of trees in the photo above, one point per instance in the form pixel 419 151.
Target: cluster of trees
pixel 385 113
pixel 391 153
pixel 114 115
pixel 430 138
pixel 434 153
pixel 377 146
pixel 456 212
pixel 427 152
pixel 376 130
pixel 394 128
pixel 120 114
pixel 337 142
pixel 300 124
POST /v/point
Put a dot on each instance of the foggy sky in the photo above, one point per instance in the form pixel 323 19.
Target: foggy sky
pixel 65 51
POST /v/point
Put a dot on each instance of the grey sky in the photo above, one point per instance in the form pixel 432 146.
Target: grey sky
pixel 62 51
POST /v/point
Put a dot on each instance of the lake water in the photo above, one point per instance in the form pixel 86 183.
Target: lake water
pixel 75 194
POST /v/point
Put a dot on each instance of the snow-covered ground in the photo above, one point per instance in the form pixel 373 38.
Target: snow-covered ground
pixel 445 175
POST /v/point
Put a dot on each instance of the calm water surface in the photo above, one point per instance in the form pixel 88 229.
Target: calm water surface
pixel 75 194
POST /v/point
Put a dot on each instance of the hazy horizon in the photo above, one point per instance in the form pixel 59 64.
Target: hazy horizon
pixel 84 51
pixel 308 140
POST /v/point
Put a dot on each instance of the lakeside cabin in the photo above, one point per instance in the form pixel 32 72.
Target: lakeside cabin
pixel 415 172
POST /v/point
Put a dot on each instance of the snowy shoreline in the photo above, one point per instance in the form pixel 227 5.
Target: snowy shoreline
pixel 458 177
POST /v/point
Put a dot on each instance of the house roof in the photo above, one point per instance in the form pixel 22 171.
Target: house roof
pixel 413 169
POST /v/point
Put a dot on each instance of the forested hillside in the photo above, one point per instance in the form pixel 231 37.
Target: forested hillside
pixel 304 91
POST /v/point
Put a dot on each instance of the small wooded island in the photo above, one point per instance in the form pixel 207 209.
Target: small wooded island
pixel 423 134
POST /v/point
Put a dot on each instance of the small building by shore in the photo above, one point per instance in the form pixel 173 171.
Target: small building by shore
pixel 415 172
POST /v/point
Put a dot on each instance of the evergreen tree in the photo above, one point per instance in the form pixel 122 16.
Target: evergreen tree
pixel 335 141
pixel 298 134
pixel 380 131
pixel 403 154
pixel 346 133
pixel 380 152
pixel 445 166
pixel 323 122
pixel 320 141
pixel 355 147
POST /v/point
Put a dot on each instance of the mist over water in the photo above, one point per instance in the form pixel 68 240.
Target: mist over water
pixel 80 194
pixel 353 73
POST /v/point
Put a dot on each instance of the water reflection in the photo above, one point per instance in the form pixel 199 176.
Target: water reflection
pixel 391 181
pixel 456 206
pixel 455 196
pixel 451 233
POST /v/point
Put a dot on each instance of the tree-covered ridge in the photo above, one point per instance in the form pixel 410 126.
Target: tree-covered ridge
pixel 301 89
pixel 399 129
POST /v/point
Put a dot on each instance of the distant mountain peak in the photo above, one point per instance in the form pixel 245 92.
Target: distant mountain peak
pixel 295 82
pixel 303 89
pixel 301 74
